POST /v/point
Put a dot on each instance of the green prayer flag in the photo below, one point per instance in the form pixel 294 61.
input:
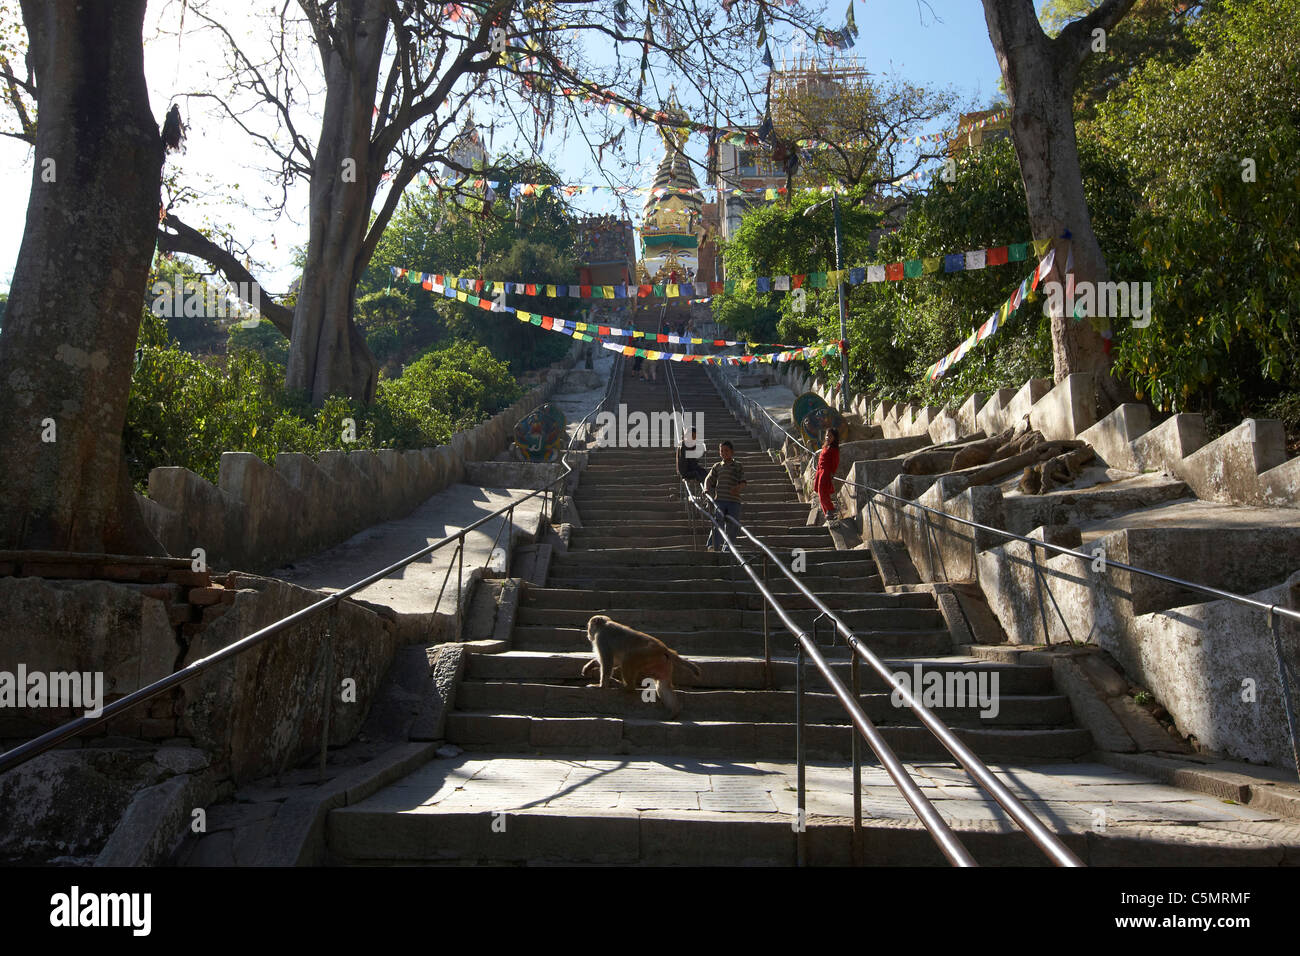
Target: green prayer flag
pixel 816 280
pixel 1018 252
pixel 912 268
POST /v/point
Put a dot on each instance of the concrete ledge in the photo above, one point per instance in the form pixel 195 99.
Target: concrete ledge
pixel 1067 410
pixel 1021 404
pixel 1087 706
pixel 989 418
pixel 968 414
pixel 297 834
pixel 1112 437
pixel 1228 468
pixel 944 428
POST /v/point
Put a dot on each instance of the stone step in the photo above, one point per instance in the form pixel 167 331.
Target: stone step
pixel 686 619
pixel 749 672
pixel 902 642
pixel 663 580
pixel 839 561
pixel 597 601
pixel 762 706
pixel 676 527
pixel 521 733
pixel 794 513
pixel 583 539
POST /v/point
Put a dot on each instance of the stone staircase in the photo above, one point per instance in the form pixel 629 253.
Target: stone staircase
pixel 636 559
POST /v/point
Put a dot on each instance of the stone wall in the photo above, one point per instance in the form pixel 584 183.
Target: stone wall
pixel 1247 465
pixel 261 713
pixel 259 516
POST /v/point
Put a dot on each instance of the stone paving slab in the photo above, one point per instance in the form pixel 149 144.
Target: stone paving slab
pixel 1071 798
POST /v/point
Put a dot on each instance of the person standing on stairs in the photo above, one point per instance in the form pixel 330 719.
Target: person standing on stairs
pixel 689 453
pixel 828 463
pixel 726 481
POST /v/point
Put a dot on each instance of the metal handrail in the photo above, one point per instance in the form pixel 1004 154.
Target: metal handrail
pixel 33 748
pixel 1046 545
pixel 1271 611
pixel 938 828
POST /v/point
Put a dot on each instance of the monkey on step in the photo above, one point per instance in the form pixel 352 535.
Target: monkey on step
pixel 637 656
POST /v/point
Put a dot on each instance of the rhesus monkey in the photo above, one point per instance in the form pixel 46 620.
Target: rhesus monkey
pixel 637 656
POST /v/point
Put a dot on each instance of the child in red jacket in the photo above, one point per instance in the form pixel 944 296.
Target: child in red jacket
pixel 828 462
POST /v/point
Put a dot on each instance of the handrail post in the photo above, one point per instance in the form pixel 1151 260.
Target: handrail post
pixel 331 623
pixel 1286 689
pixel 1038 587
pixel 800 748
pixel 767 638
pixel 857 766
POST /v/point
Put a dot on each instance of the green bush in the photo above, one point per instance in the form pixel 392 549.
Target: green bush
pixel 185 410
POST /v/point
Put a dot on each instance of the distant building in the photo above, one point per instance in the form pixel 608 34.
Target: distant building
pixel 671 226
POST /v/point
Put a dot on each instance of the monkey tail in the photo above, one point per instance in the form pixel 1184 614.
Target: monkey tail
pixel 690 665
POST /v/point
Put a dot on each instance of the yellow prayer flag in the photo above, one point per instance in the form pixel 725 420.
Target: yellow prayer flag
pixel 697 341
pixel 746 284
pixel 607 291
pixel 1040 246
pixel 462 296
pixel 931 264
pixel 550 291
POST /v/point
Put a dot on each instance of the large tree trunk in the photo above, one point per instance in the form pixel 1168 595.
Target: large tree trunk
pixel 1040 74
pixel 327 352
pixel 78 288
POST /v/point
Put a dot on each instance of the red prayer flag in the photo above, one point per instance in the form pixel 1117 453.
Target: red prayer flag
pixel 894 271
pixel 796 282
pixel 603 330
pixel 997 256
pixel 531 289
pixel 585 291
pixel 547 321
pixel 715 288
pixel 661 338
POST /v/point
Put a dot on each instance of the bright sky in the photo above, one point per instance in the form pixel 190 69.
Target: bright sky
pixel 943 44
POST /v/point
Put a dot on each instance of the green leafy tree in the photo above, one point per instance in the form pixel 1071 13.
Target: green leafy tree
pixel 1216 147
pixel 264 339
pixel 905 327
pixel 1153 31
